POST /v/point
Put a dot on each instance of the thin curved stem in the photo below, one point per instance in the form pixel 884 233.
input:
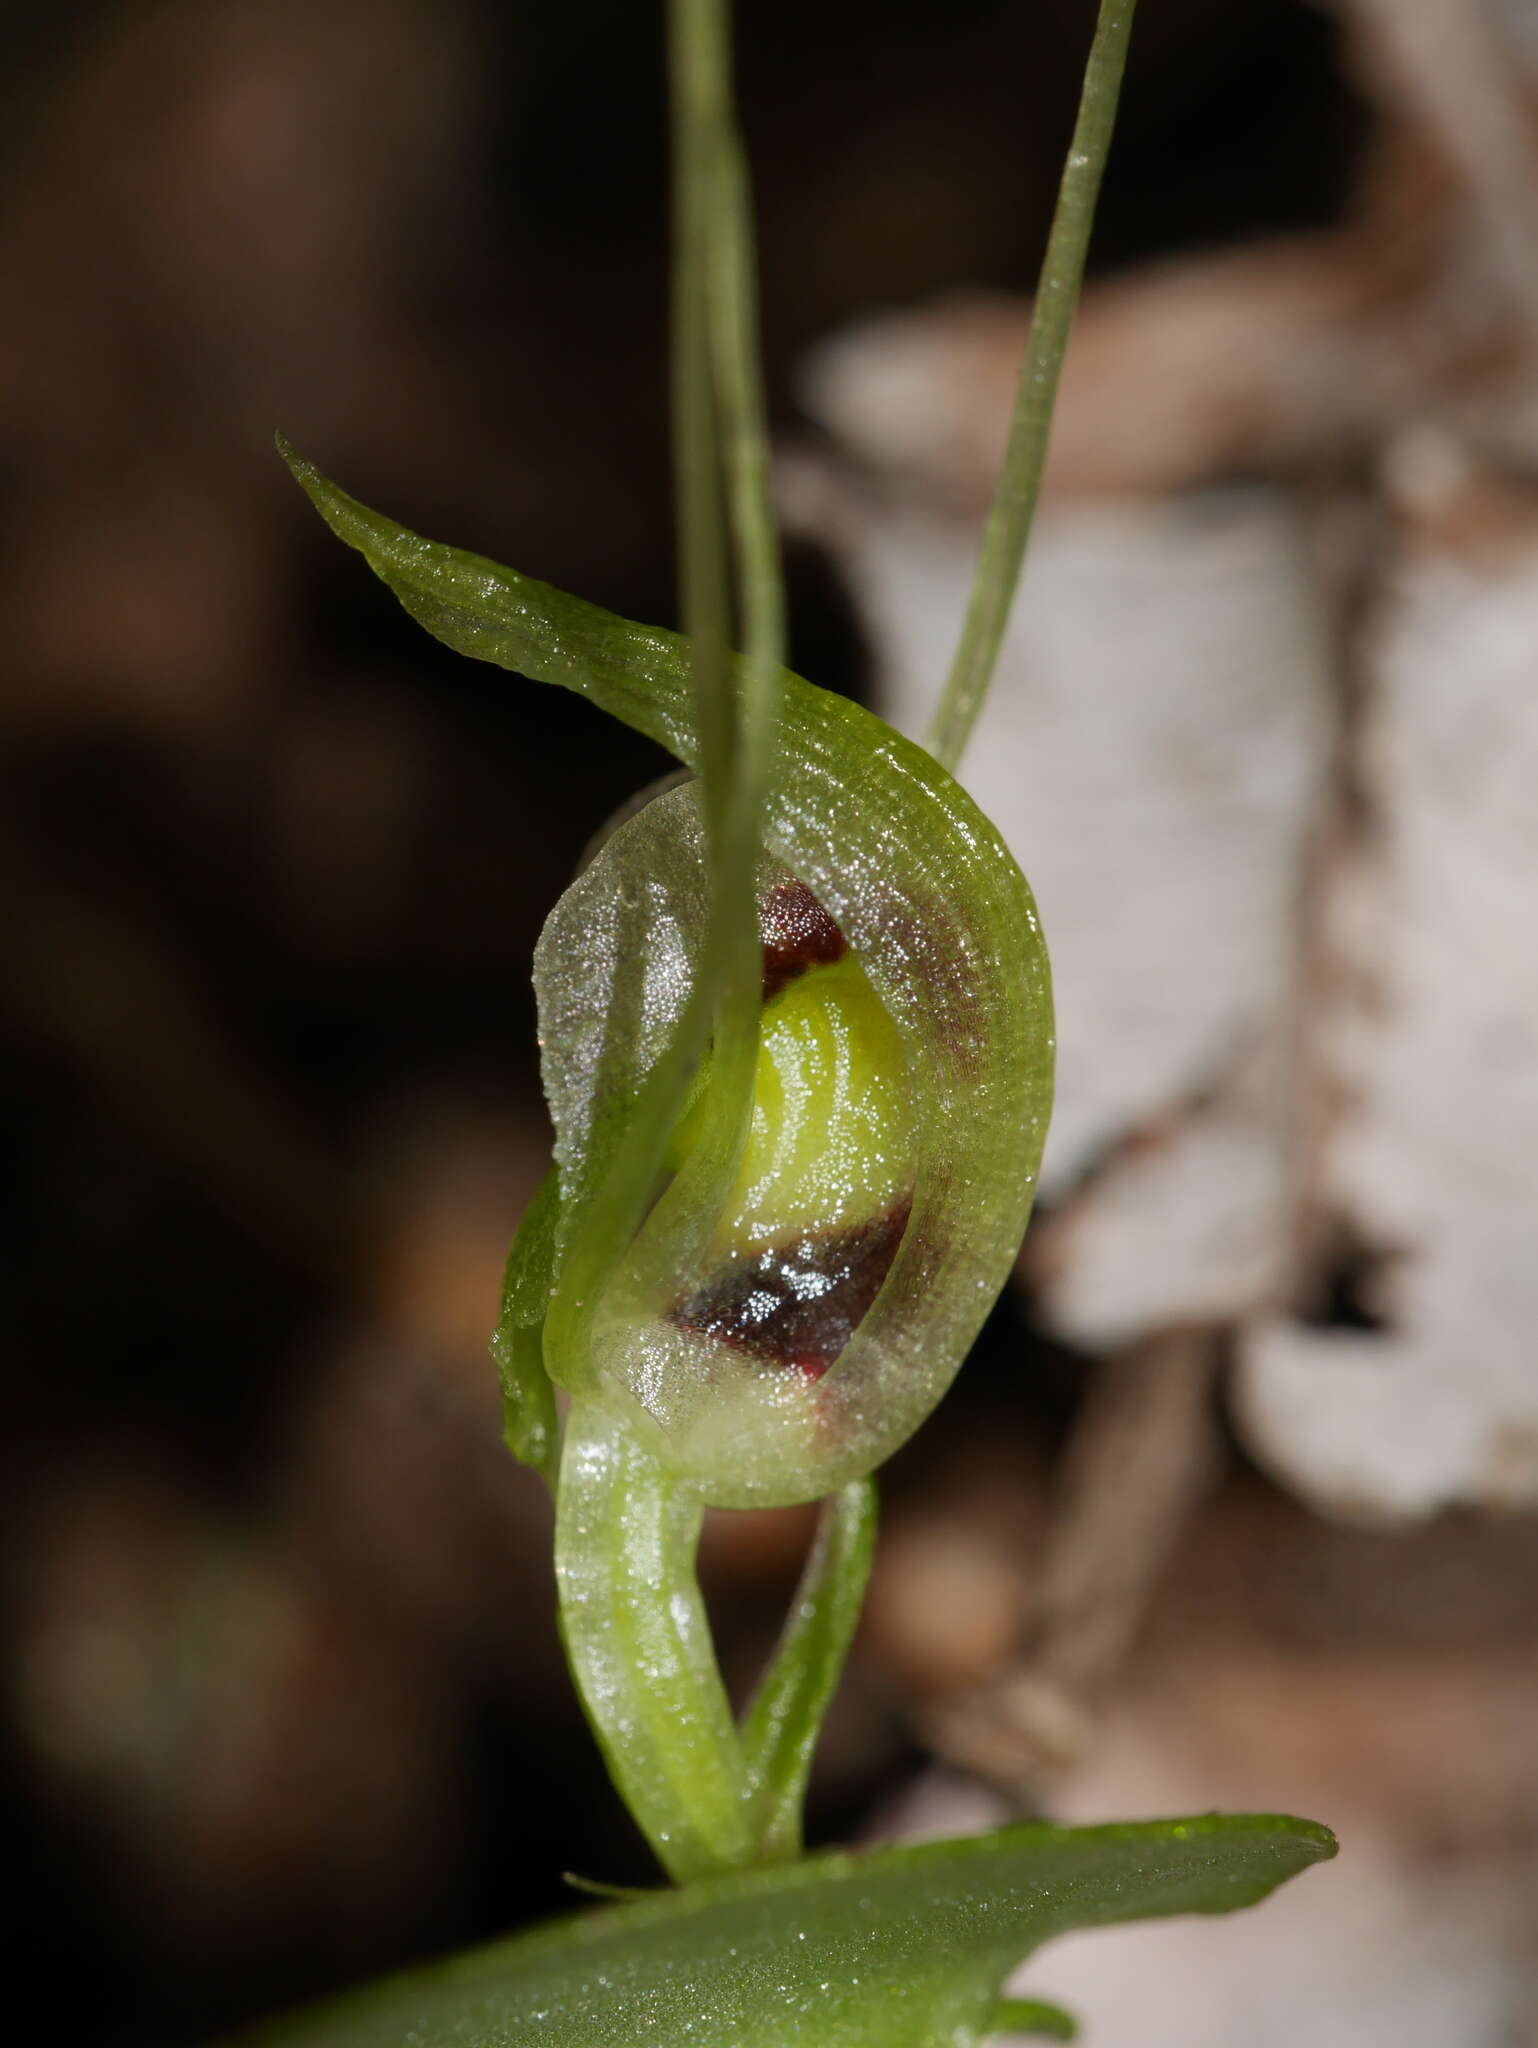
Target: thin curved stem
pixel 639 1646
pixel 721 434
pixel 749 480
pixel 1025 457
pixel 721 440
pixel 696 68
pixel 780 1728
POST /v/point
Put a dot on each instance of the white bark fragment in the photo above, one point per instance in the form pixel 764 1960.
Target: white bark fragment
pixel 1427 1042
pixel 1186 1224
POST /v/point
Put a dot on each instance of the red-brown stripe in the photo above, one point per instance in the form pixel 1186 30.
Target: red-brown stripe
pixel 797 934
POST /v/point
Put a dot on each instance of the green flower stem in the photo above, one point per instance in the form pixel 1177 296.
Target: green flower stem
pixel 721 453
pixel 780 1729
pixel 722 466
pixel 746 456
pixel 1025 457
pixel 696 69
pixel 639 1646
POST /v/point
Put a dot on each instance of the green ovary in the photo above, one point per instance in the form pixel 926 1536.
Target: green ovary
pixel 832 1137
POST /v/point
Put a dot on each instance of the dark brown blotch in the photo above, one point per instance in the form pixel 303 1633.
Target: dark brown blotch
pixel 797 934
pixel 795 1306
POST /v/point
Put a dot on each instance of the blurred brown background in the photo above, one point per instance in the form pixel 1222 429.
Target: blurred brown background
pixel 283 1700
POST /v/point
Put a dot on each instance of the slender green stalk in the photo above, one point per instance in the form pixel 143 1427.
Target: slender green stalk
pixel 722 462
pixel 749 481
pixel 721 435
pixel 1057 297
pixel 696 69
pixel 639 1646
pixel 780 1728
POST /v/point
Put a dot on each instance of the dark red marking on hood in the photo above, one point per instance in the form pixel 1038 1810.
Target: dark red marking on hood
pixel 797 934
pixel 796 1305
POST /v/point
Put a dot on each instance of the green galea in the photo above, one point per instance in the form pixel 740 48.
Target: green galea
pixel 925 1050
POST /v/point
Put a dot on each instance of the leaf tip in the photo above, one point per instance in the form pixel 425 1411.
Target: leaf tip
pixel 1310 1841
pixel 1321 1839
pixel 303 471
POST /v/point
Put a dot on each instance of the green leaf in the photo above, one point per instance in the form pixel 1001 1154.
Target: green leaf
pixel 894 1948
pixel 942 924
